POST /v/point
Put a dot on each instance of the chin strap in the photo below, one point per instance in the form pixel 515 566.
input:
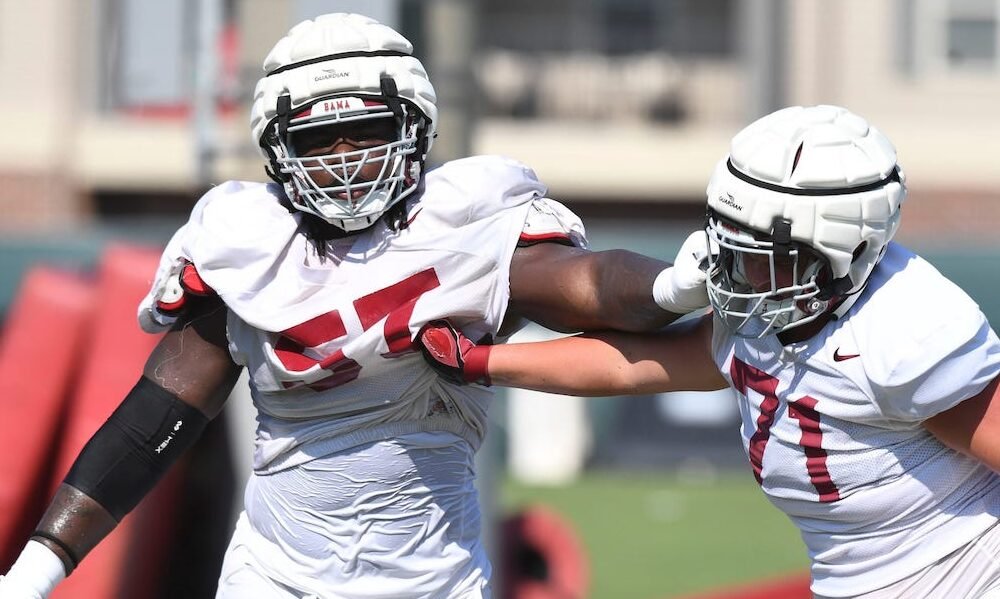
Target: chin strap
pixel 840 289
pixel 781 236
pixel 284 112
pixel 830 295
pixel 391 93
pixel 848 301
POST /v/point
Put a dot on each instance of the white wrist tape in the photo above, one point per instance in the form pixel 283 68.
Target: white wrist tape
pixel 679 294
pixel 37 570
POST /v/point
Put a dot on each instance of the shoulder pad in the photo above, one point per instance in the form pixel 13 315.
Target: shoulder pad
pixel 235 227
pixel 232 225
pixel 549 221
pixel 477 187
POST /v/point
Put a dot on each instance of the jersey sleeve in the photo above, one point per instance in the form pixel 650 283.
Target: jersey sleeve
pixel 550 221
pixel 930 375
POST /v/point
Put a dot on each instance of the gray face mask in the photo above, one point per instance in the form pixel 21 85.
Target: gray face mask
pixel 757 289
pixel 350 189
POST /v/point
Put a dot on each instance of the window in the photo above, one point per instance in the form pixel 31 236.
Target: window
pixel 951 35
pixel 149 56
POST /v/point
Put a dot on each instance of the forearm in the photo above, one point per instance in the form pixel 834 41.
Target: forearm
pixel 568 289
pixel 73 525
pixel 117 467
pixel 610 363
pixel 623 283
pixel 673 290
pixel 679 358
pixel 577 365
pixel 185 382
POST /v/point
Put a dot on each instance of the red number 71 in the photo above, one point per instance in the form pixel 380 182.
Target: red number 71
pixel 803 410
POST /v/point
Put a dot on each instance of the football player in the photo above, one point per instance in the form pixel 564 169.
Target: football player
pixel 318 283
pixel 867 382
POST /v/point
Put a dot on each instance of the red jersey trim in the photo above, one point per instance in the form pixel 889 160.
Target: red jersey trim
pixel 555 237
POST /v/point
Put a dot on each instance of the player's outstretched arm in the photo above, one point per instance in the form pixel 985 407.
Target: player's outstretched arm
pixel 570 289
pixel 185 382
pixel 607 363
pixel 973 426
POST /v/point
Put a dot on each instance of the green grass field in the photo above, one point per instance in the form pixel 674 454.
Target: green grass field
pixel 653 536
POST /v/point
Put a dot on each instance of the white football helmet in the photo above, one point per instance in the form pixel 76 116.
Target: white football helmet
pixel 810 194
pixel 341 68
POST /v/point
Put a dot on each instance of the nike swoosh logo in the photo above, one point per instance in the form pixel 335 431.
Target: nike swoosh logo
pixel 838 357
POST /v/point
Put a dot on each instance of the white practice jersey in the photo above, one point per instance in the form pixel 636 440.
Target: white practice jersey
pixel 328 341
pixel 832 427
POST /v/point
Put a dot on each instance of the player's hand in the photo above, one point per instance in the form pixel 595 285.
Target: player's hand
pixel 453 354
pixel 9 589
pixel 681 288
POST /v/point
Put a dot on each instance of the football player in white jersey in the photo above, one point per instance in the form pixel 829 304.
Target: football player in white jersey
pixel 867 382
pixel 318 284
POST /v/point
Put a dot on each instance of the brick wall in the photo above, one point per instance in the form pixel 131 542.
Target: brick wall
pixel 952 216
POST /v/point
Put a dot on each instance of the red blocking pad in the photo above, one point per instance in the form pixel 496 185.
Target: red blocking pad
pixel 39 349
pixel 538 534
pixel 112 362
pixel 793 586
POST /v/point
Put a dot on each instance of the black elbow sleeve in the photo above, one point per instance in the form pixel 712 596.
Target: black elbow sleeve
pixel 132 450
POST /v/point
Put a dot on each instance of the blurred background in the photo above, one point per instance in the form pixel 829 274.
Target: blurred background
pixel 118 114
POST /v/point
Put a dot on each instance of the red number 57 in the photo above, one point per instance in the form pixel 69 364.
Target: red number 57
pixel 394 303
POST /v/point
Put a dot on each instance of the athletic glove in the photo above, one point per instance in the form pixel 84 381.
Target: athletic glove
pixel 453 355
pixel 681 288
